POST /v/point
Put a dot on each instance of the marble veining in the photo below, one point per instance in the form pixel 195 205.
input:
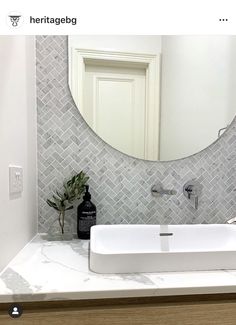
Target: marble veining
pixel 15 282
pixel 46 270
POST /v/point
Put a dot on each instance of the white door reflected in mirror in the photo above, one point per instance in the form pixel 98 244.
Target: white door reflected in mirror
pixel 116 94
pixel 154 97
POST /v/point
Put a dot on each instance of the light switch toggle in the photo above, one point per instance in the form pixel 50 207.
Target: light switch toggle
pixel 15 179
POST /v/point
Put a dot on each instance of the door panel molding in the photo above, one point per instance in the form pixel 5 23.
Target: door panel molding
pixel 151 62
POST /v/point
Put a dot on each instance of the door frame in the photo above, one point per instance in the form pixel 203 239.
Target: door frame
pixel 81 57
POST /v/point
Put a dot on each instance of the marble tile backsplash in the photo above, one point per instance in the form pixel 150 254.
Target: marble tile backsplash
pixel 120 185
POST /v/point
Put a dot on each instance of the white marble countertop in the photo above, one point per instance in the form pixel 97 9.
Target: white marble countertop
pixel 46 270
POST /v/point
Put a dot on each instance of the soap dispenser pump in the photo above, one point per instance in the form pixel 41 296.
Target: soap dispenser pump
pixel 86 216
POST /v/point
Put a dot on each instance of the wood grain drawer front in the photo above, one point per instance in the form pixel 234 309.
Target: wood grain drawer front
pixel 219 313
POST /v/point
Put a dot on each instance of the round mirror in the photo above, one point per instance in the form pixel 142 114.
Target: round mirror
pixel 155 97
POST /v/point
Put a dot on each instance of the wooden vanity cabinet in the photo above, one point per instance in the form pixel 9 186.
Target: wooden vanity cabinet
pixel 216 309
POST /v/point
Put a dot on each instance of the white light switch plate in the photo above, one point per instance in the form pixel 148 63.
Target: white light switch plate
pixel 15 179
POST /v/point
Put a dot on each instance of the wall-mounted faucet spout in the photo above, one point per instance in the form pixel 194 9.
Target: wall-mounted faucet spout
pixel 158 190
pixel 232 220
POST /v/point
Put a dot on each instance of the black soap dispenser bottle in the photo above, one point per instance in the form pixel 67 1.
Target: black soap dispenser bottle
pixel 86 216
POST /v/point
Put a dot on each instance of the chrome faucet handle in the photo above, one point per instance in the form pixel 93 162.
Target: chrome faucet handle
pixel 189 190
pixel 232 220
pixel 192 190
pixel 157 190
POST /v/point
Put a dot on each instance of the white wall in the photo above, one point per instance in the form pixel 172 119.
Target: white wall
pixel 148 44
pixel 198 78
pixel 18 217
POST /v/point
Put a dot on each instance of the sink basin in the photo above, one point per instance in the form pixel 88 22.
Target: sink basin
pixel 155 248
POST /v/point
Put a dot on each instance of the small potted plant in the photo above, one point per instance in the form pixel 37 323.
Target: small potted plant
pixel 62 201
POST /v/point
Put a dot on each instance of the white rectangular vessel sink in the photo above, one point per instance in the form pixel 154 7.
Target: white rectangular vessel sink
pixel 155 248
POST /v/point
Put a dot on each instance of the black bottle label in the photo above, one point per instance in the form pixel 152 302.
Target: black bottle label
pixel 87 219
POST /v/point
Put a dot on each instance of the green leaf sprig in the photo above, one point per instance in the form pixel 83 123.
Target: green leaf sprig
pixel 62 201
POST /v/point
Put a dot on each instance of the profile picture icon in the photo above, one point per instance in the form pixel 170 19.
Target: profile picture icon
pixel 15 311
pixel 14 19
